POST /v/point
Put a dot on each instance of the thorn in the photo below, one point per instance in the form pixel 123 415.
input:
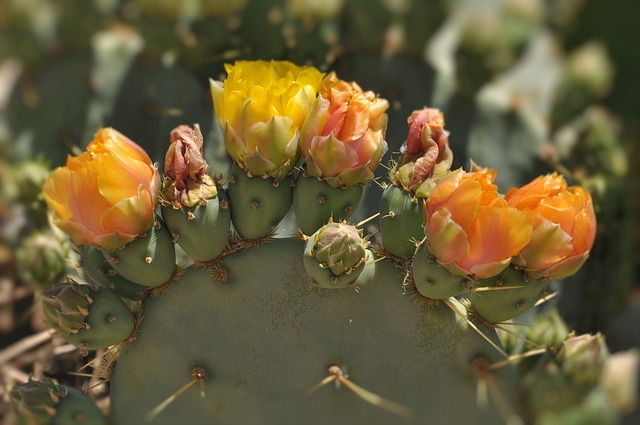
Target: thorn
pixel 482 394
pixel 337 374
pixel 494 288
pixel 455 309
pixel 367 219
pixel 546 298
pixel 375 261
pixel 321 384
pixel 517 357
pixel 198 375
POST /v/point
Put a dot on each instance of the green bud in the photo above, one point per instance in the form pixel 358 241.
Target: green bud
pixel 583 358
pixel 547 330
pixel 41 260
pixel 339 247
pixel 335 255
pixel 66 307
pixel 37 403
pixel 29 177
pixel 594 409
pixel 88 317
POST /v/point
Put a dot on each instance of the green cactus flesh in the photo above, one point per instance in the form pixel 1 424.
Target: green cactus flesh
pixel 97 270
pixel 257 204
pixel 314 202
pixel 77 408
pixel 267 336
pixel 36 402
pixel 148 260
pixel 506 295
pixel 110 321
pixel 201 231
pixel 431 279
pixel 401 221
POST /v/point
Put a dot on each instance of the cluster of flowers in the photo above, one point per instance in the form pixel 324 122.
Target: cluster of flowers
pixel 273 113
pixel 544 227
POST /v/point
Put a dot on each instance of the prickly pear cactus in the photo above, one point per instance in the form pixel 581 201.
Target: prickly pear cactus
pixel 258 292
pixel 217 315
pixel 267 338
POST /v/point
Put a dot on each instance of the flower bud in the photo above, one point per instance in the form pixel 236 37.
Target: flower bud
pixel 335 255
pixel 107 195
pixel 29 176
pixel 564 226
pixel 50 403
pixel 583 358
pixel 342 140
pixel 470 228
pixel 86 316
pixel 65 308
pixel 427 157
pixel 187 181
pixel 35 402
pixel 42 260
pixel 339 247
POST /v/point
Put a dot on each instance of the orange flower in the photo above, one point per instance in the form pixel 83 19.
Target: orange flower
pixel 564 226
pixel 106 196
pixel 342 139
pixel 470 228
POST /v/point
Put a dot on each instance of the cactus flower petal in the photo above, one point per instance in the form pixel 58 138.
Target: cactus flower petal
pixel 564 226
pixel 261 107
pixel 187 182
pixel 257 157
pixel 447 237
pixel 426 156
pixel 470 229
pixel 342 139
pixel 105 196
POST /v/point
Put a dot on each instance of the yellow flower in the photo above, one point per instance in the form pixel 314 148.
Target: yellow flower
pixel 106 196
pixel 564 226
pixel 261 107
pixel 470 228
pixel 342 139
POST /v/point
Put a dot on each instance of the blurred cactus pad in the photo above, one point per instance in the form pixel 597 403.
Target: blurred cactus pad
pixel 339 211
